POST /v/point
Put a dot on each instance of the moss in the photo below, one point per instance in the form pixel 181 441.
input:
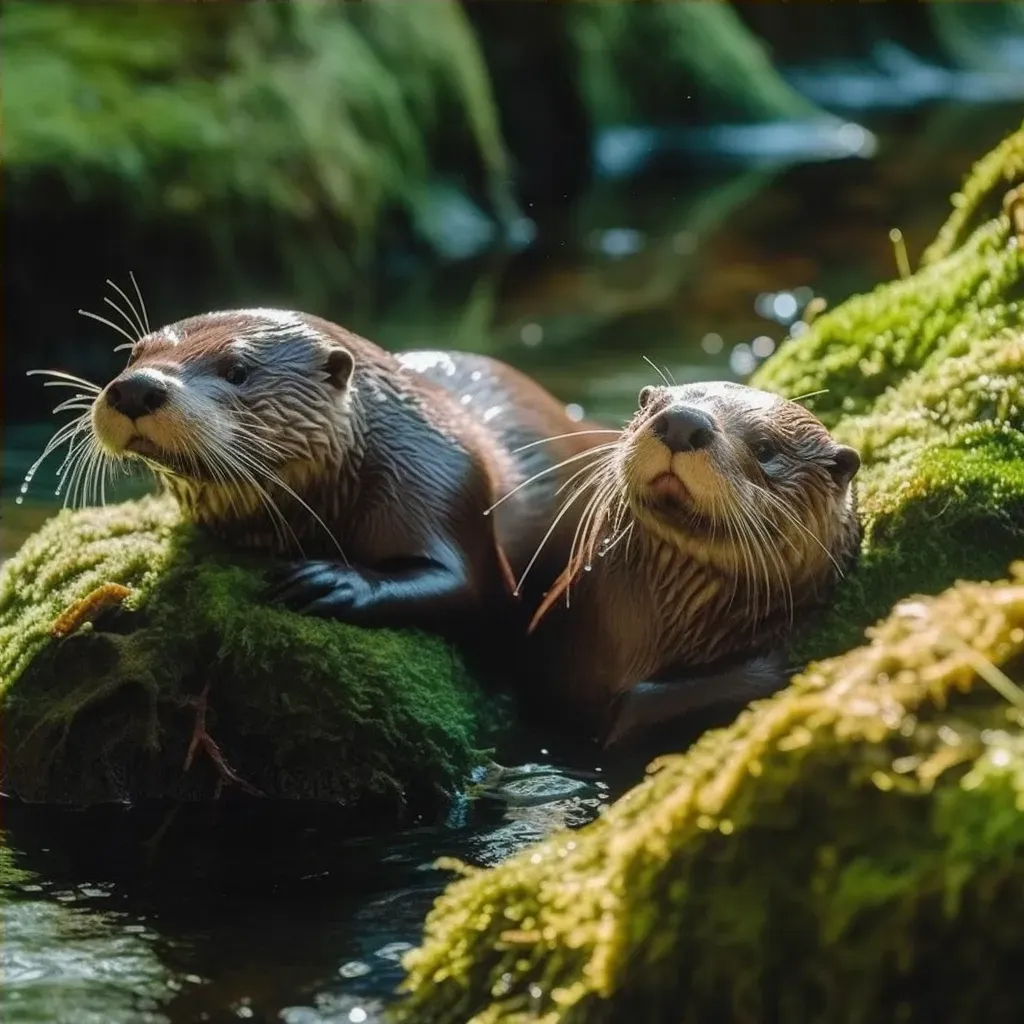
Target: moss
pixel 850 849
pixel 872 341
pixel 302 708
pixel 941 495
pixel 925 377
pixel 290 111
pixel 643 62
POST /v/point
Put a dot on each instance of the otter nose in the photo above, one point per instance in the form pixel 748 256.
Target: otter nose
pixel 136 395
pixel 684 428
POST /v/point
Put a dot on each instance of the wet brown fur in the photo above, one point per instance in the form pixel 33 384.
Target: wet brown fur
pixel 682 587
pixel 406 457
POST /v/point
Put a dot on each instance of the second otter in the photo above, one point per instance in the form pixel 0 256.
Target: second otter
pixel 722 513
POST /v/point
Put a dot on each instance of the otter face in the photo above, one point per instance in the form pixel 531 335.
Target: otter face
pixel 230 398
pixel 727 472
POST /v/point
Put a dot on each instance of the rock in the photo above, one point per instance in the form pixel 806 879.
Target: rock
pixel 851 849
pixel 379 722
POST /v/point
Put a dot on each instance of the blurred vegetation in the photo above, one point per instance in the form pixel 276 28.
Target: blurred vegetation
pixel 281 153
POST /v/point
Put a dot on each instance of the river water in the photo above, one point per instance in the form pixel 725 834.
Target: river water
pixel 273 916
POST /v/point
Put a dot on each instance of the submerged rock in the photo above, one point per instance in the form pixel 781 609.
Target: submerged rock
pixel 381 722
pixel 851 849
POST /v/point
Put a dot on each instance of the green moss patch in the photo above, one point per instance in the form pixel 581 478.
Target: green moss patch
pixel 941 495
pixel 301 708
pixel 871 342
pixel 850 850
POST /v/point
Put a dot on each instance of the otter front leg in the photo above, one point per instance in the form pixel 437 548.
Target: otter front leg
pixel 649 704
pixel 407 592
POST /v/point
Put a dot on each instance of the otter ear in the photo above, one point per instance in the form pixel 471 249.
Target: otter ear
pixel 845 464
pixel 339 365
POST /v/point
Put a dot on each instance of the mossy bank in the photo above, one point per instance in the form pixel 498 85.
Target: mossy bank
pixel 382 723
pixel 852 848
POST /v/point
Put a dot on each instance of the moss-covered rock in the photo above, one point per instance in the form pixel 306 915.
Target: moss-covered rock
pixel 850 849
pixel 925 376
pixel 381 722
pixel 967 289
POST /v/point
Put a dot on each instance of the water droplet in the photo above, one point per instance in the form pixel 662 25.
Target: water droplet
pixel 587 567
pixel 531 334
pixel 354 969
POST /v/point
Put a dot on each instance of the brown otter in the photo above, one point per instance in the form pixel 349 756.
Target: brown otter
pixel 287 433
pixel 723 512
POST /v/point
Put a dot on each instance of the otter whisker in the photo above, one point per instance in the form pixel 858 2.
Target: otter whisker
pixel 551 469
pixel 604 483
pixel 232 487
pixel 230 474
pixel 113 305
pixel 138 320
pixel 142 304
pixel 654 366
pixel 591 468
pixel 74 403
pixel 551 529
pixel 61 375
pixel 112 326
pixel 810 394
pixel 563 584
pixel 560 437
pixel 277 481
pixel 91 396
pixel 781 508
pixel 63 434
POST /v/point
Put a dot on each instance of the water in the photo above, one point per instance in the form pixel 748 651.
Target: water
pixel 277 916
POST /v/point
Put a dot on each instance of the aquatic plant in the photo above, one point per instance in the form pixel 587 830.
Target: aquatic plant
pixel 851 848
pixel 379 722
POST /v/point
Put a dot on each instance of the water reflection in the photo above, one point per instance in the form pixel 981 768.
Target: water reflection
pixel 244 915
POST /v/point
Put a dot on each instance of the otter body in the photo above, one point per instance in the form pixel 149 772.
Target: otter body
pixel 286 433
pixel 727 513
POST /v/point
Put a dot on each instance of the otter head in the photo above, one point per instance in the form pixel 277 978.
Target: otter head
pixel 227 407
pixel 743 480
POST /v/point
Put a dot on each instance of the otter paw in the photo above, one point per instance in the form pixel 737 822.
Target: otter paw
pixel 318 588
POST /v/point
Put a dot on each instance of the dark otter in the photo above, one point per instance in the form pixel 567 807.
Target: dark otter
pixel 723 513
pixel 286 433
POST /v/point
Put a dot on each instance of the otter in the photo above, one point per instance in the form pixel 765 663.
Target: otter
pixel 372 472
pixel 369 476
pixel 722 514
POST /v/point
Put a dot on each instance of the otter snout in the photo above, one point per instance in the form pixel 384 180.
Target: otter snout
pixel 684 428
pixel 136 394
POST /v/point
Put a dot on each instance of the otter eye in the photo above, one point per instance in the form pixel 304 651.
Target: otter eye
pixel 765 451
pixel 234 373
pixel 645 396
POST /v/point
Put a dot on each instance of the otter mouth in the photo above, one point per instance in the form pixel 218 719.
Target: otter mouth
pixel 672 501
pixel 171 462
pixel 140 445
pixel 666 488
